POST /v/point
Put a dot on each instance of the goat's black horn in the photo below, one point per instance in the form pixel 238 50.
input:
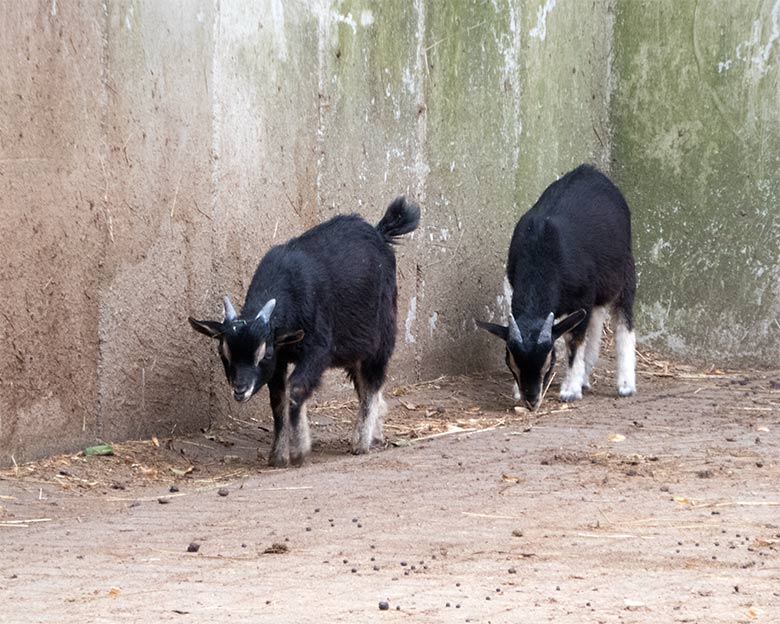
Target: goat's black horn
pixel 230 312
pixel 546 334
pixel 265 313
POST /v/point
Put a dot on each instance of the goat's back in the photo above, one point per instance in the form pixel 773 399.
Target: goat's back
pixel 576 239
pixel 337 278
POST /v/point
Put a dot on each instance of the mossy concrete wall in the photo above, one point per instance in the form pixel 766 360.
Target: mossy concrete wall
pixel 151 153
pixel 696 118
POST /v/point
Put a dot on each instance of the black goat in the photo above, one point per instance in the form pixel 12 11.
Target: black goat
pixel 570 255
pixel 325 299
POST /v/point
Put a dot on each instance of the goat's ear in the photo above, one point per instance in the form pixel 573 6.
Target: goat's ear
pixel 289 338
pixel 212 329
pixel 497 330
pixel 569 323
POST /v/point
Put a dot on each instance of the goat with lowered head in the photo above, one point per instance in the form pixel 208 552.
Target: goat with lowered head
pixel 324 299
pixel 570 256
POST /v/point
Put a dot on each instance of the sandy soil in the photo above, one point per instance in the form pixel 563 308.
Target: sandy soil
pixel 664 507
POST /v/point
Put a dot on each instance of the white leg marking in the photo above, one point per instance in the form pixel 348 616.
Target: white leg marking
pixel 280 449
pixel 516 372
pixel 593 341
pixel 625 344
pixel 378 434
pixel 571 389
pixel 300 444
pixel 370 408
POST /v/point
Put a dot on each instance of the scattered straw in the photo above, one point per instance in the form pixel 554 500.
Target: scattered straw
pixel 23 524
pixel 613 536
pixel 739 504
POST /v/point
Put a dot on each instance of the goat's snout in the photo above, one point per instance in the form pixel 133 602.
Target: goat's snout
pixel 242 392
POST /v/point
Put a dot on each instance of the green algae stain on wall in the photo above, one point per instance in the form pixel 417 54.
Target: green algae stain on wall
pixel 697 153
pixel 566 60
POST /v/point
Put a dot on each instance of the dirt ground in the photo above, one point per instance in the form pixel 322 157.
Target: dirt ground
pixel 664 507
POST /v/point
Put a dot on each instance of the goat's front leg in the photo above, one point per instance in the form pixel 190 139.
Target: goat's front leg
pixel 303 381
pixel 280 449
pixel 571 388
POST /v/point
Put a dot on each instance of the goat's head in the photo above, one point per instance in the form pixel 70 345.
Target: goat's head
pixel 530 354
pixel 247 347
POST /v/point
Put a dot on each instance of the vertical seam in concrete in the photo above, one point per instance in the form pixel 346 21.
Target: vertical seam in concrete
pixel 323 31
pixel 421 168
pixel 512 72
pixel 103 156
pixel 216 145
pixel 611 12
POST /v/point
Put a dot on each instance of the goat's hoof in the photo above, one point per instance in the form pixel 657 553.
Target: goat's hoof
pixel 586 385
pixel 570 395
pixel 276 461
pixel 360 449
pixel 298 459
pixel 626 390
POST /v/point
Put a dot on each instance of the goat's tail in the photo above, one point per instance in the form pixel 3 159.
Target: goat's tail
pixel 402 217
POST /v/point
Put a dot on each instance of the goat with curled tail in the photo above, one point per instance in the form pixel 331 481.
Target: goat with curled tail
pixel 324 299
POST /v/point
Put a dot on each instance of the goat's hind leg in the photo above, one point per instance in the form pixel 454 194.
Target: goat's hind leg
pixel 593 341
pixel 369 377
pixel 625 345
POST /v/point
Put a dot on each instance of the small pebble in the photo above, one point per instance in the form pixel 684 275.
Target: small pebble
pixel 403 563
pixel 223 491
pixel 173 488
pixel 376 568
pixel 384 606
pixel 193 547
pixel 354 570
pixel 457 605
pixel 163 501
pixel 447 605
pixel 512 571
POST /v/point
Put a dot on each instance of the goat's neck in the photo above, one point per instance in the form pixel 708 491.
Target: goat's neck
pixel 534 299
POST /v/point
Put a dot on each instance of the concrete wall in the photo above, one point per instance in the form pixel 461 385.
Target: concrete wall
pixel 696 117
pixel 151 152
